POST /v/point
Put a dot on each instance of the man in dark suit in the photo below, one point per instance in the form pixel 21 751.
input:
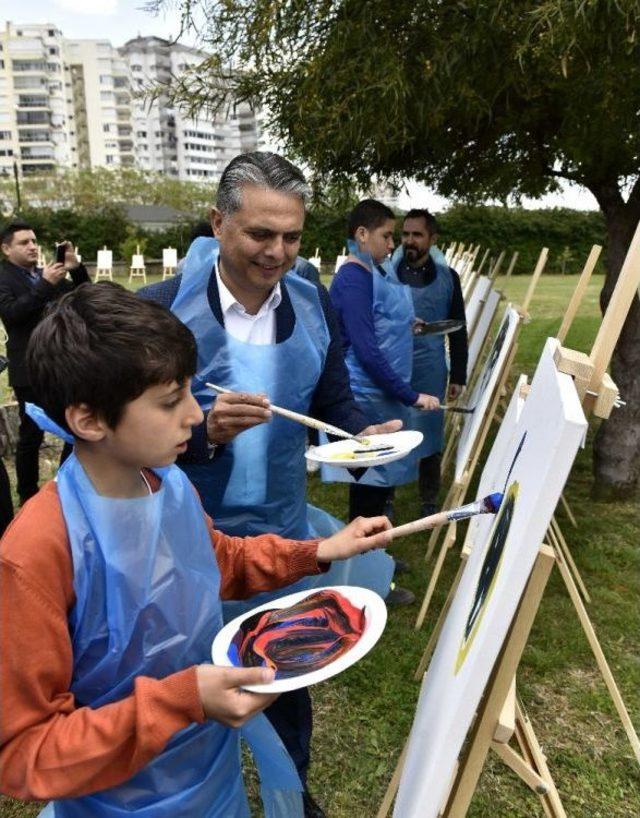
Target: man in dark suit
pixel 25 291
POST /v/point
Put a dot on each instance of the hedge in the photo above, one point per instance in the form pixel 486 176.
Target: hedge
pixel 569 234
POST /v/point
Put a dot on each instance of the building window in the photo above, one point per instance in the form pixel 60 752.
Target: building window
pixel 106 128
pixel 109 159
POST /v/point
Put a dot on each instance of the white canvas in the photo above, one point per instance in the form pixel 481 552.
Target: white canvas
pixel 340 260
pixel 476 300
pixel 105 259
pixel 552 425
pixel 316 261
pixel 137 261
pixel 169 257
pixel 484 388
pixel 503 446
pixel 481 330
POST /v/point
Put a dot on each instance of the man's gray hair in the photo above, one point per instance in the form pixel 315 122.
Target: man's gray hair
pixel 266 170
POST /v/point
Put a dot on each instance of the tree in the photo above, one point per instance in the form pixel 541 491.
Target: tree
pixel 479 98
pixel 85 190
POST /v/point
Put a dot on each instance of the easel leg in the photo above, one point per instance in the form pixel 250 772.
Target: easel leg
pixel 557 535
pixel 532 752
pixel 449 539
pixel 392 789
pixel 601 660
pixel 568 512
pixel 451 441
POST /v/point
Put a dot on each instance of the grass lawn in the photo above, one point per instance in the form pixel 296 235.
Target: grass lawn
pixel 363 717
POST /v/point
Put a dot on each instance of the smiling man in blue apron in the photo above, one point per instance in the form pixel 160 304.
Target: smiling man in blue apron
pixel 264 331
pixel 437 295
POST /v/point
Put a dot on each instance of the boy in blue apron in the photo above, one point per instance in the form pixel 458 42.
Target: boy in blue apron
pixel 376 317
pixel 113 578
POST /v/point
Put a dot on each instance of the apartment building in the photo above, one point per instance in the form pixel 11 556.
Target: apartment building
pixel 164 138
pixel 37 127
pixel 81 104
pixel 101 102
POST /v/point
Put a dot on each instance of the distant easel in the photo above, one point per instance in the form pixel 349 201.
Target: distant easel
pixel 104 264
pixel 169 262
pixel 495 270
pixel 340 260
pixel 512 264
pixel 316 260
pixel 484 258
pixel 137 269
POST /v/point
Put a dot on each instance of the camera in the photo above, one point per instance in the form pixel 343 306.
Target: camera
pixel 61 252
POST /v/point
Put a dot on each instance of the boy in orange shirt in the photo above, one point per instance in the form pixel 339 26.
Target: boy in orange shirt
pixel 112 578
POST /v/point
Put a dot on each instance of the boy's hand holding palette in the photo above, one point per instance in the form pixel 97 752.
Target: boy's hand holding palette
pixel 306 637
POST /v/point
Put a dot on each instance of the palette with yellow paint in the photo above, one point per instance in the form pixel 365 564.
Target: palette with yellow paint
pixel 375 450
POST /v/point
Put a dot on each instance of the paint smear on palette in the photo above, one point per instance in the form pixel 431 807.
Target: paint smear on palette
pixel 489 572
pixel 300 638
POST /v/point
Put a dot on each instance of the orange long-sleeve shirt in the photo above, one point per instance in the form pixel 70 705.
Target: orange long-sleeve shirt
pixel 49 748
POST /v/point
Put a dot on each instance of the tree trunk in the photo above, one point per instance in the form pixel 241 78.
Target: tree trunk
pixel 616 449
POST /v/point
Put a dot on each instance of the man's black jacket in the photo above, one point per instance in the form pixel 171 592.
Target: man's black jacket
pixel 22 303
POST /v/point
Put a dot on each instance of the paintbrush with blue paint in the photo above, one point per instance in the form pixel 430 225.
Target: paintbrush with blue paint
pixel 488 505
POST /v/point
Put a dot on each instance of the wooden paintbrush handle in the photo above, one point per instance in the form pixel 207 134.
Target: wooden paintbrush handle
pixel 312 423
pixel 423 524
pixel 305 420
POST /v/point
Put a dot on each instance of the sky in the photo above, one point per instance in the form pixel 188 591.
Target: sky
pixel 120 20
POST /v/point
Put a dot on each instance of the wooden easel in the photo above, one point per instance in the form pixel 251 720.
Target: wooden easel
pixel 169 262
pixel 565 326
pixel 137 269
pixel 496 267
pixel 573 582
pixel 484 258
pixel 458 488
pixel 500 718
pixel 512 264
pixel 456 422
pixel 599 398
pixel 104 264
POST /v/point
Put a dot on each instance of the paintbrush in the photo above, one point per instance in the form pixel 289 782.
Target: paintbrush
pixel 462 410
pixel 488 505
pixel 312 423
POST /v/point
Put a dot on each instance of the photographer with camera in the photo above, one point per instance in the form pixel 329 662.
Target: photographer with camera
pixel 25 291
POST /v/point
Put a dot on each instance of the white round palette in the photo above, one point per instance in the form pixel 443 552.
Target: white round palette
pixel 333 453
pixel 375 618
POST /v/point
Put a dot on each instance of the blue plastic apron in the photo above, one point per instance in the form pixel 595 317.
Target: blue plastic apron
pixel 258 484
pixel 430 369
pixel 393 318
pixel 147 585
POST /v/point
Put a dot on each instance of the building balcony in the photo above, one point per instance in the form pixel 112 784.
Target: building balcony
pixel 37 167
pixel 34 119
pixel 39 154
